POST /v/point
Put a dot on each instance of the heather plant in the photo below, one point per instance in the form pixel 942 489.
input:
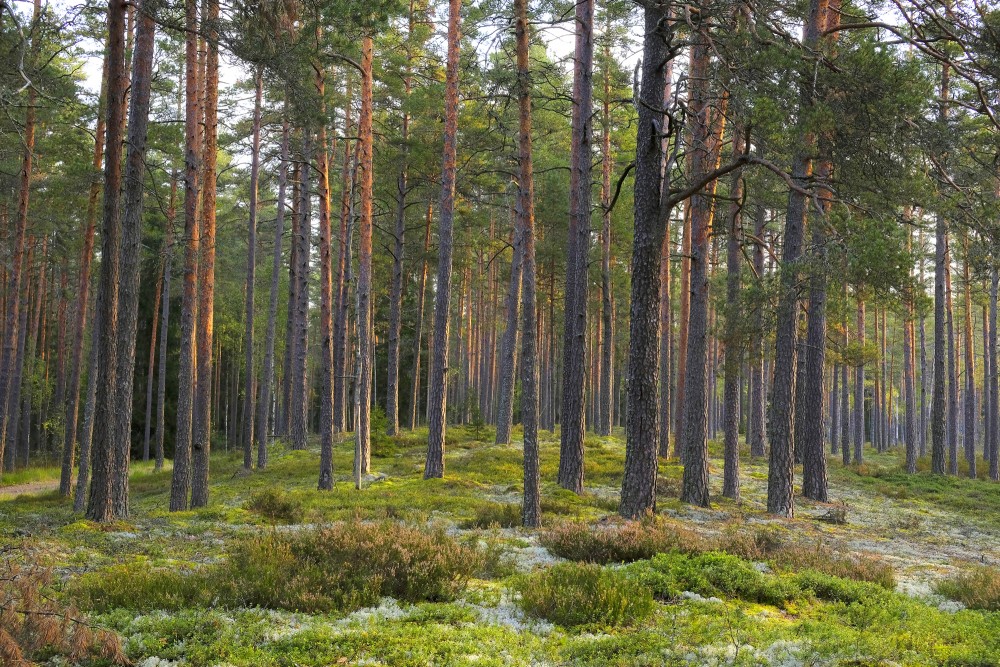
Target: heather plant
pixel 574 594
pixel 622 542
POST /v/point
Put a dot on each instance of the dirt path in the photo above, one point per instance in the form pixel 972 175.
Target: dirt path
pixel 7 492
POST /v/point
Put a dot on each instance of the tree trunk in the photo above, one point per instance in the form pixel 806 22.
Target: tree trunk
pixel 267 374
pixel 952 423
pixel 757 422
pixel 734 351
pixel 180 487
pixel 362 460
pixel 326 292
pixel 299 414
pixel 638 494
pixel 86 435
pixel 438 379
pixel 531 510
pixel 7 357
pixel 396 290
pixel 150 367
pixel 993 414
pixel 708 117
pixel 970 369
pixel 83 297
pixel 248 314
pixel 508 344
pixel 343 269
pixel 202 430
pixel 909 434
pixel 168 263
pixel 575 331
pixel 418 331
pixel 607 312
pixel 122 244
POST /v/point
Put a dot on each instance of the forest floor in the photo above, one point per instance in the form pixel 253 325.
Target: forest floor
pixel 893 537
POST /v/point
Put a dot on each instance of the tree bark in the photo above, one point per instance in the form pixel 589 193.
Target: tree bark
pixel 418 331
pixel 508 343
pixel 151 366
pixel 757 423
pixel 168 263
pixel 970 368
pixel 734 350
pixel 707 112
pixel 249 394
pixel 362 460
pixel 575 328
pixel 120 255
pixel 326 334
pixel 180 487
pixel 438 381
pixel 531 510
pixel 202 430
pixel 300 380
pixel 859 388
pixel 9 352
pixel 343 269
pixel 909 434
pixel 83 296
pixel 267 374
pixel 638 495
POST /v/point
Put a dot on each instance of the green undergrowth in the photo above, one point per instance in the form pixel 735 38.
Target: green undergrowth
pixel 410 571
pixel 336 569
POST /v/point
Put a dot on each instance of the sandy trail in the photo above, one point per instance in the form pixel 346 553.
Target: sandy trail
pixel 31 488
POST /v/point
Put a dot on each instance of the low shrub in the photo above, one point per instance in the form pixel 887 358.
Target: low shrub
pixel 623 542
pixel 711 574
pixel 836 589
pixel 276 505
pixel 976 588
pixel 345 567
pixel 757 543
pixel 335 569
pixel 138 586
pixel 495 515
pixel 860 567
pixel 573 594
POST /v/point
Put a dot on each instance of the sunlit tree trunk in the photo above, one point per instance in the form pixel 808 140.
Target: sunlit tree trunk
pixel 299 384
pixel 343 268
pixel 970 368
pixel 910 434
pixel 757 422
pixel 362 460
pixel 180 487
pixel 202 428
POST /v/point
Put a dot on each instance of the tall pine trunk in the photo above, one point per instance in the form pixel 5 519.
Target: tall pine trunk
pixel 202 429
pixel 531 510
pixel 180 487
pixel 578 249
pixel 267 374
pixel 120 257
pixel 418 330
pixel 249 394
pixel 362 461
pixel 437 397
